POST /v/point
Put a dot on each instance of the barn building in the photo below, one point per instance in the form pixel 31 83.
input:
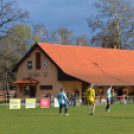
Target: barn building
pixel 46 68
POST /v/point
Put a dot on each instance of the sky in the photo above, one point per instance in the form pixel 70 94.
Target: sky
pixel 70 14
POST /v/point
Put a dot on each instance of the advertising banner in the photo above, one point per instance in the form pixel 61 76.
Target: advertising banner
pixel 56 103
pixel 45 103
pixel 14 104
pixel 30 103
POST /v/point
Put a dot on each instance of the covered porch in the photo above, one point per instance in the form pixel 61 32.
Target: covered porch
pixel 27 87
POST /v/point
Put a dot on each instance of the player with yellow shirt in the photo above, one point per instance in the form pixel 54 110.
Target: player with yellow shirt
pixel 90 97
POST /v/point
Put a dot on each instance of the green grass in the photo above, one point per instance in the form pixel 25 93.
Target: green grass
pixel 47 121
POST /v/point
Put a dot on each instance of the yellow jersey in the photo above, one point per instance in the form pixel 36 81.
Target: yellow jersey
pixel 90 95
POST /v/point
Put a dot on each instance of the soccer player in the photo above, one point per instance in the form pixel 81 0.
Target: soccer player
pixel 108 92
pixel 90 97
pixel 62 98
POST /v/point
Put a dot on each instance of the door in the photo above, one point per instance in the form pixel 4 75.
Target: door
pixel 32 91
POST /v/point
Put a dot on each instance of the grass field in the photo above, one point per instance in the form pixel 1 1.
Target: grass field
pixel 47 121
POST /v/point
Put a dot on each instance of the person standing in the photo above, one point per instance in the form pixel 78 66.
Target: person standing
pixel 126 96
pixel 76 92
pixel 115 95
pixel 62 98
pixel 100 93
pixel 90 97
pixel 108 92
pixel 112 96
pixel 83 99
pixel 74 98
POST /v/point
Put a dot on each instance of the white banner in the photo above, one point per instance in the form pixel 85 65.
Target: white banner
pixel 56 103
pixel 14 104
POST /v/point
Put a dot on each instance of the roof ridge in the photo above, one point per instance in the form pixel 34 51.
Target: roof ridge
pixel 92 47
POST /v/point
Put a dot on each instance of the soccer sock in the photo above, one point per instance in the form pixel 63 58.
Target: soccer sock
pixel 66 110
pixel 89 108
pixel 93 109
pixel 60 110
pixel 108 106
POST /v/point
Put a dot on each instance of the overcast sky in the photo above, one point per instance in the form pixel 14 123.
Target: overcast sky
pixel 55 13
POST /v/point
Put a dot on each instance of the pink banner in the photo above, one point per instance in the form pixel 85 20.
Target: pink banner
pixel 44 103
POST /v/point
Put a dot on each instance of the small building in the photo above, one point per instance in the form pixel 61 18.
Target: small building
pixel 46 68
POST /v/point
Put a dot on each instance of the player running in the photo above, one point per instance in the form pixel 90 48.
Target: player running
pixel 90 97
pixel 62 98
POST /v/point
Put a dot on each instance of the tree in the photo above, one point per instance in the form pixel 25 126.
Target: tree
pixel 66 36
pixel 58 36
pixel 62 36
pixel 82 40
pixel 10 13
pixel 20 40
pixel 8 59
pixel 114 23
pixel 41 33
pixel 12 49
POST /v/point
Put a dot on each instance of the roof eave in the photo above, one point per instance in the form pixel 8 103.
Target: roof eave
pixel 123 85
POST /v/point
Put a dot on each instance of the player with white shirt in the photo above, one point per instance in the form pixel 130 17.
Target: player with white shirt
pixel 108 92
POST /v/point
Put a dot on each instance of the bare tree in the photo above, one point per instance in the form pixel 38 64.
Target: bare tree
pixel 58 36
pixel 9 14
pixel 54 37
pixel 66 36
pixel 114 23
pixel 83 40
pixel 41 33
pixel 62 36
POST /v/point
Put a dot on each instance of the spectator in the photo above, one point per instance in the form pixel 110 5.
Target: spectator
pixel 96 94
pixel 112 96
pixel 49 96
pixel 126 95
pixel 68 94
pixel 100 93
pixel 83 98
pixel 115 95
pixel 73 99
pixel 76 92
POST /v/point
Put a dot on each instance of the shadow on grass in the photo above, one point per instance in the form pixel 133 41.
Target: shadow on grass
pixel 117 117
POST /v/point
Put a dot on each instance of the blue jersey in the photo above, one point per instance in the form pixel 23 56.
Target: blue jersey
pixel 108 93
pixel 61 97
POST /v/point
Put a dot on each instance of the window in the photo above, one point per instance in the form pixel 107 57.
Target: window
pixel 38 61
pixel 26 90
pixel 46 87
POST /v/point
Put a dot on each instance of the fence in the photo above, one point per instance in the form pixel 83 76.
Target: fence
pixel 100 100
pixel 77 101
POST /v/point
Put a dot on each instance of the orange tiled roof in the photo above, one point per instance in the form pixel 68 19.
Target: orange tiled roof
pixel 93 65
pixel 26 81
